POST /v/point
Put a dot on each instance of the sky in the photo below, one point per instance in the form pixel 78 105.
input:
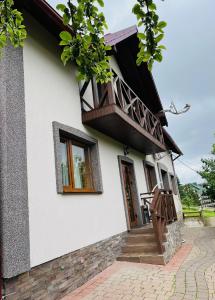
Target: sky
pixel 186 74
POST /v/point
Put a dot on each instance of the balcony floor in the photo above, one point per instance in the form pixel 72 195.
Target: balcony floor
pixel 112 121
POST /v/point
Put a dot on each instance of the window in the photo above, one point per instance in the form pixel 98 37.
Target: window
pixel 75 166
pixel 150 176
pixel 75 154
pixel 165 180
pixel 173 183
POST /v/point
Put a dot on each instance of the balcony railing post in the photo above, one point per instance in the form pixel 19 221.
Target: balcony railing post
pixel 110 91
pixel 95 93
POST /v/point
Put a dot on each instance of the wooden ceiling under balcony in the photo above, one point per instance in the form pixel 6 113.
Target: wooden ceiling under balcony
pixel 118 112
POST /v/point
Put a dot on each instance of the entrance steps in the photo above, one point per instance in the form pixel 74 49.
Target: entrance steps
pixel 141 247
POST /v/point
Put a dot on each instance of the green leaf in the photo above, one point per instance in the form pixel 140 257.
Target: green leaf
pixel 152 6
pixel 159 38
pixel 66 19
pixel 61 7
pixel 162 24
pixel 136 9
pixel 158 57
pixel 101 3
pixel 65 36
pixel 162 47
pixel 141 36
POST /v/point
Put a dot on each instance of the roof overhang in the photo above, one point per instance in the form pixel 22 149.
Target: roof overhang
pixel 170 143
pixel 125 43
pixel 45 14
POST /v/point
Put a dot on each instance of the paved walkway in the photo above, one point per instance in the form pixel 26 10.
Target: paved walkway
pixel 189 275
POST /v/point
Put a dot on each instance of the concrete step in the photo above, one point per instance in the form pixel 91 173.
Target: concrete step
pixel 140 238
pixel 140 248
pixel 142 230
pixel 150 258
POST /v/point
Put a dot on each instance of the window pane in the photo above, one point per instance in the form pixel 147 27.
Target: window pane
pixel 64 164
pixel 80 166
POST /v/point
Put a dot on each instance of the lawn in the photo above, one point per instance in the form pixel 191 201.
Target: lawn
pixel 206 212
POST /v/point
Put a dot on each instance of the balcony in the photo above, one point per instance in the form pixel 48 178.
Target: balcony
pixel 115 110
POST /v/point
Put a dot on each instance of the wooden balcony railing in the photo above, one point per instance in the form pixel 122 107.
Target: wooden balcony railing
pixel 118 93
pixel 163 212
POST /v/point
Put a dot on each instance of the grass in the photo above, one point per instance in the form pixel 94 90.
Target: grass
pixel 206 212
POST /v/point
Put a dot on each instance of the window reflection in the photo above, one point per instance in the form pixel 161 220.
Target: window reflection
pixel 80 166
pixel 64 163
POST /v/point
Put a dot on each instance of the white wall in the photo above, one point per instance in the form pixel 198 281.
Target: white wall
pixel 60 224
pixel 166 160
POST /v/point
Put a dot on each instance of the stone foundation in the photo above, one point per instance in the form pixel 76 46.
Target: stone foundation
pixel 174 240
pixel 54 279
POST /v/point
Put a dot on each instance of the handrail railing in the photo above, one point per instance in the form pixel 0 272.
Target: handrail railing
pixel 163 212
pixel 117 92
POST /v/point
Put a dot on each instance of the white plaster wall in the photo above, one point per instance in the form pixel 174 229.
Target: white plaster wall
pixel 166 160
pixel 60 224
pixel 114 65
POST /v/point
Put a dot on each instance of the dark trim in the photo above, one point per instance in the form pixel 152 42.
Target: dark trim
pixel 126 159
pixel 14 211
pixel 145 163
pixel 94 152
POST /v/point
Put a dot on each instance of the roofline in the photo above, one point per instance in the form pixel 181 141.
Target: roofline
pixel 168 136
pixel 43 7
pixel 112 39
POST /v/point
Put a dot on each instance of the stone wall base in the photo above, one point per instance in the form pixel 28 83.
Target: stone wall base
pixel 54 279
pixel 174 240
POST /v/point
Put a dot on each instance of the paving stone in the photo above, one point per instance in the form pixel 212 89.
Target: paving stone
pixel 189 276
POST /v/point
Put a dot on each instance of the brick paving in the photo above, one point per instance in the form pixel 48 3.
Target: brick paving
pixel 189 275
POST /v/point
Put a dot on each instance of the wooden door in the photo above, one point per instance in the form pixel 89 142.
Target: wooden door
pixel 128 181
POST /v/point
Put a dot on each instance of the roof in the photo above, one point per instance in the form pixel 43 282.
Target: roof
pixel 45 14
pixel 112 39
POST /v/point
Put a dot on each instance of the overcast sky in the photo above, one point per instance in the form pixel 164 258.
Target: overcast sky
pixel 186 74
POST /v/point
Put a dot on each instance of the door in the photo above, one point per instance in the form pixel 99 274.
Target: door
pixel 128 182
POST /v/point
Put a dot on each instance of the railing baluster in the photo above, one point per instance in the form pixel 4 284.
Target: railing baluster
pixel 163 212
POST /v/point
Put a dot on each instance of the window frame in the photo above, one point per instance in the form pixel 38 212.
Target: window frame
pixel 71 187
pixel 164 169
pixel 173 183
pixel 147 165
pixel 78 138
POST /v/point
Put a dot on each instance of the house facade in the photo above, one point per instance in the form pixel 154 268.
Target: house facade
pixel 74 159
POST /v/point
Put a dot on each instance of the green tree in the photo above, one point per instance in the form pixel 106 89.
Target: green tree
pixel 208 174
pixel 86 46
pixel 11 25
pixel 189 196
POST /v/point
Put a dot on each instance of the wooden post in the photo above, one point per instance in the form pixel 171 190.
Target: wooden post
pixel 111 94
pixel 95 93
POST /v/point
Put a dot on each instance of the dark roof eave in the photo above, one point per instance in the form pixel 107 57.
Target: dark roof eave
pixel 171 144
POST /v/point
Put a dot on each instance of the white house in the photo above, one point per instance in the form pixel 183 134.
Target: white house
pixel 74 159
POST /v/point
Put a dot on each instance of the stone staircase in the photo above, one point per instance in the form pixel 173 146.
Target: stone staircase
pixel 141 247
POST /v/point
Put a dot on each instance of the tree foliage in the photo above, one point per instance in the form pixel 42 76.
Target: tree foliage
pixel 208 174
pixel 84 44
pixel 150 49
pixel 11 25
pixel 189 196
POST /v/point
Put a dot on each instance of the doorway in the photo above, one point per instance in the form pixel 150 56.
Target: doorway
pixel 130 194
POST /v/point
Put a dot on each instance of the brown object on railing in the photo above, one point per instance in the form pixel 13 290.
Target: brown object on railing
pixel 163 212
